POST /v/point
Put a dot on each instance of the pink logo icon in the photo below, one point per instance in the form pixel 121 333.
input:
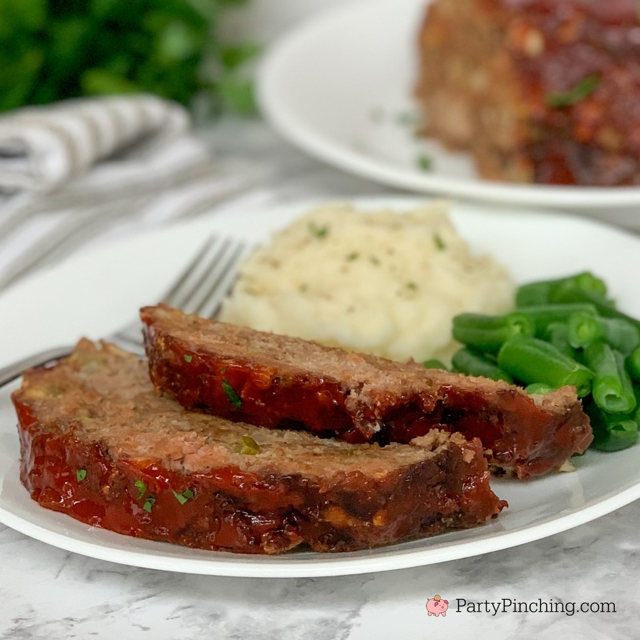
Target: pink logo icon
pixel 437 606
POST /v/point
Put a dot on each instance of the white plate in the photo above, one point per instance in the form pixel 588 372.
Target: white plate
pixel 93 293
pixel 336 85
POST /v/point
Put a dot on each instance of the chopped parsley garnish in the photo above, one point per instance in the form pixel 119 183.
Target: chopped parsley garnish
pixel 224 369
pixel 184 496
pixel 318 232
pixel 439 242
pixel 179 497
pixel 148 504
pixel 142 489
pixel 187 358
pixel 81 474
pixel 425 163
pixel 353 256
pixel 232 395
pixel 249 447
pixel 412 285
pixel 374 260
pixel 408 119
pixel 578 93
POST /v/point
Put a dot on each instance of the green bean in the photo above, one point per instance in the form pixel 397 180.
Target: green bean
pixel 435 364
pixel 529 295
pixel 583 329
pixel 618 435
pixel 544 315
pixel 473 363
pixel 612 388
pixel 633 365
pixel 586 282
pixel 558 335
pixel 488 333
pixel 531 360
pixel 611 432
pixel 621 334
pixel 604 307
pixel 537 293
pixel 539 388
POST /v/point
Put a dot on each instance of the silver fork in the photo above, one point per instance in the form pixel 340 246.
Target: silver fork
pixel 200 289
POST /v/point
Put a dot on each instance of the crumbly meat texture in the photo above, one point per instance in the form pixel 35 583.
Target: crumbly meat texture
pixel 282 382
pixel 99 444
pixel 491 73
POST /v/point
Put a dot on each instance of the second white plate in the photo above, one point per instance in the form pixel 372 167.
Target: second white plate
pixel 340 87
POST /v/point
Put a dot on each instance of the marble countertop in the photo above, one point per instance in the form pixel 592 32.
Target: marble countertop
pixel 50 594
pixel 46 593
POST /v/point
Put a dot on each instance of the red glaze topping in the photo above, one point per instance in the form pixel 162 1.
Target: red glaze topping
pixel 231 509
pixel 524 439
pixel 596 140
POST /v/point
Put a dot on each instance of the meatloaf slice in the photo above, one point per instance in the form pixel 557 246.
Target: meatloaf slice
pixel 539 91
pixel 282 382
pixel 100 445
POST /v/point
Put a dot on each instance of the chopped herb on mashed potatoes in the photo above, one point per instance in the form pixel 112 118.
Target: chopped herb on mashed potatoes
pixel 384 283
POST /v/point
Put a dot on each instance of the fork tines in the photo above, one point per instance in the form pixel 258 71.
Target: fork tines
pixel 206 280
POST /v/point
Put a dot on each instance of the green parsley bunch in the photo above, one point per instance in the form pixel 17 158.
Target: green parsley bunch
pixel 56 49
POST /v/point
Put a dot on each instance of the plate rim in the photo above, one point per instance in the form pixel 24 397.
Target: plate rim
pixel 325 565
pixel 293 128
pixel 332 565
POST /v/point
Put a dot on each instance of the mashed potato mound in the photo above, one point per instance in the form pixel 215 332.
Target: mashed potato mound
pixel 384 283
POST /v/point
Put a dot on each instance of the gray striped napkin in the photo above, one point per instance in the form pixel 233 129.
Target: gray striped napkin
pixel 43 148
pixel 81 173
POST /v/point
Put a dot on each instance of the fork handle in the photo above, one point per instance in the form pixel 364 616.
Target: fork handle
pixel 15 370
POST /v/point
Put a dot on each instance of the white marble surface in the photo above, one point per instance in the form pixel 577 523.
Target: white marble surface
pixel 49 594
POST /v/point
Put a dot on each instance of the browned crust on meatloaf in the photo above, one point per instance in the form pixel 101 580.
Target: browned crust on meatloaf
pixel 490 68
pixel 99 444
pixel 284 382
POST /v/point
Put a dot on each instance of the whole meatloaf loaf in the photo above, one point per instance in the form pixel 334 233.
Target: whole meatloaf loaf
pixel 282 382
pixel 540 91
pixel 99 444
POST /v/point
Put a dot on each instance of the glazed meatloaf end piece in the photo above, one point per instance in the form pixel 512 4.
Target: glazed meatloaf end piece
pixel 99 444
pixel 282 382
pixel 538 90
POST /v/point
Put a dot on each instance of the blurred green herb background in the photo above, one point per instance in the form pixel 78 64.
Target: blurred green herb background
pixel 56 49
